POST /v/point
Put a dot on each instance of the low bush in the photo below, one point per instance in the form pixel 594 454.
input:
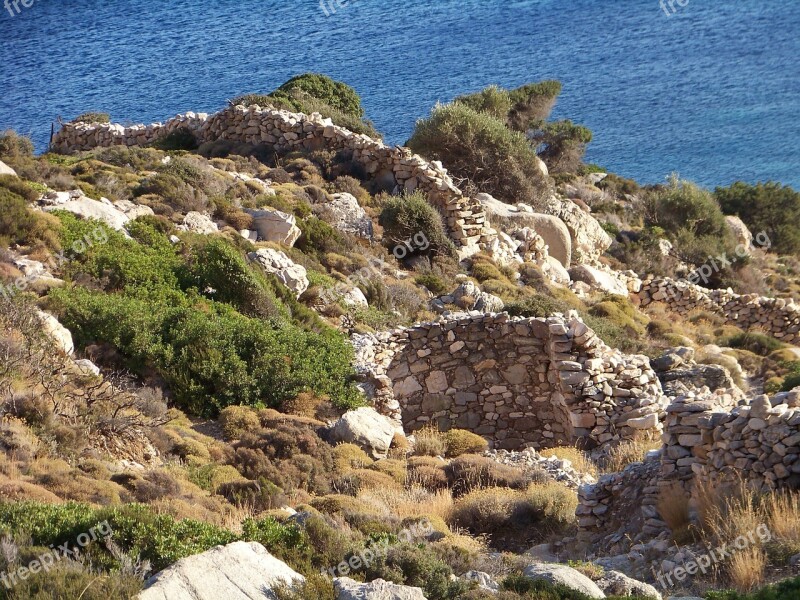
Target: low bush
pixel 460 441
pixel 471 472
pixel 412 223
pixel 92 117
pixel 480 148
pixel 237 421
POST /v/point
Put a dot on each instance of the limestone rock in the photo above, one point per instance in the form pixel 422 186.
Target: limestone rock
pixel 614 583
pixel 198 223
pixel 289 273
pixel 597 279
pixel 238 571
pixel 555 271
pixel 275 226
pixel 555 234
pixel 740 231
pixel 564 575
pixel 484 580
pixel 86 208
pixel 345 214
pixel 483 301
pixel 349 589
pixel 366 428
pixel 589 239
pixel 55 330
pixel 6 170
pixel 132 210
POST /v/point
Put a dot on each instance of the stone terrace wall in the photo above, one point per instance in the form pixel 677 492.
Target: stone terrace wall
pixel 285 131
pixel 778 317
pixel 518 382
pixel 760 442
pixel 704 439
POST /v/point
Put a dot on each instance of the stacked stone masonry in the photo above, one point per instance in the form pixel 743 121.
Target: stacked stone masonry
pixel 705 439
pixel 519 382
pixel 778 317
pixel 393 167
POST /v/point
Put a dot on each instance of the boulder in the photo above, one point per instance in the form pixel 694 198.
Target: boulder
pixel 614 583
pixel 345 214
pixel 566 576
pixel 87 367
pixel 740 231
pixel 289 273
pixel 6 170
pixel 589 239
pixel 355 297
pixel 483 301
pixel 198 223
pixel 132 210
pixel 598 280
pixel 238 571
pixel 275 226
pixel 366 428
pixel 86 208
pixel 555 271
pixel 57 332
pixel 484 581
pixel 555 234
pixel 349 589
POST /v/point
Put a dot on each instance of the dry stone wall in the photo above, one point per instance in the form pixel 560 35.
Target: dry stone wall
pixel 516 381
pixel 776 316
pixel 393 167
pixel 705 439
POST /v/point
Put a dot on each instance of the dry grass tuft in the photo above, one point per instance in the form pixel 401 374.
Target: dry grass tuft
pixel 746 569
pixel 428 441
pixel 630 451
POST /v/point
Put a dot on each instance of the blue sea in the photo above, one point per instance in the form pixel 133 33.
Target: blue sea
pixel 710 89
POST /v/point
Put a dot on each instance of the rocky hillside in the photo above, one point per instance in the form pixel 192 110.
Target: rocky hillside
pixel 262 354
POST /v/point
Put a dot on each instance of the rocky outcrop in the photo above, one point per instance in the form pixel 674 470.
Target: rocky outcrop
pixel 349 589
pixel 566 576
pixel 555 235
pixel 483 580
pixel 740 232
pixel 366 428
pixel 275 226
pixel 345 214
pixel 57 332
pixel 6 170
pixel 84 207
pixel 394 167
pixel 614 583
pixel 589 239
pixel 515 381
pixel 288 272
pixel 238 571
pixel 598 280
pixel 198 223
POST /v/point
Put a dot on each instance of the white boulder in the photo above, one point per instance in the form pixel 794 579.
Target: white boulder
pixel 57 332
pixel 555 234
pixel 740 231
pixel 366 428
pixel 6 170
pixel 566 576
pixel 589 239
pixel 289 273
pixel 132 210
pixel 197 222
pixel 238 571
pixel 275 226
pixel 345 214
pixel 349 589
pixel 614 583
pixel 599 280
pixel 86 208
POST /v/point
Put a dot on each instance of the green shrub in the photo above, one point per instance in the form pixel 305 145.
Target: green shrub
pixel 539 589
pixel 757 343
pixel 334 93
pixel 238 420
pixel 561 144
pixel 765 207
pixel 481 149
pixel 404 218
pixel 492 100
pixel 14 147
pixel 435 284
pixel 460 441
pixel 92 117
pixel 179 139
pixel 538 305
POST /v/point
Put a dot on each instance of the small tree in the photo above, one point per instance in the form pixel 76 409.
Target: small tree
pixel 405 219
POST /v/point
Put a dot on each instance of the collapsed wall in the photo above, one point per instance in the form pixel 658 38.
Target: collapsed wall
pixel 778 317
pixel 705 439
pixel 393 167
pixel 516 381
